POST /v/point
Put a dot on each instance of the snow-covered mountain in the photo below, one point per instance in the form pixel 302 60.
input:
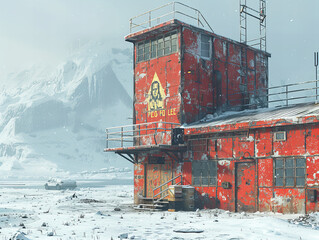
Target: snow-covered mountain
pixel 53 121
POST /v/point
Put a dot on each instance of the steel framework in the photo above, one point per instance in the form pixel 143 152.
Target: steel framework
pixel 260 15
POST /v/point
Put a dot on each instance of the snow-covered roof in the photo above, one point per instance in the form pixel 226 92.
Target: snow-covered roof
pixel 294 114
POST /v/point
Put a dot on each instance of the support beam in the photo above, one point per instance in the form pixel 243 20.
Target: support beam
pixel 174 156
pixel 128 159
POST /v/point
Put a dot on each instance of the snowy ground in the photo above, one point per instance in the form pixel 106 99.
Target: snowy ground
pixel 89 212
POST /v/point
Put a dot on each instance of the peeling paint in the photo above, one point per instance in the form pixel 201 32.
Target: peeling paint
pixel 192 87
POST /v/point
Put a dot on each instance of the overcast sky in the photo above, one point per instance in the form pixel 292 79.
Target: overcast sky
pixel 42 31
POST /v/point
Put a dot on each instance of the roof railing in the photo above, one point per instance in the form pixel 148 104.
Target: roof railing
pixel 173 10
pixel 277 96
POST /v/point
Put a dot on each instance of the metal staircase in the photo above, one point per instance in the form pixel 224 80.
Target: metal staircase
pixel 159 200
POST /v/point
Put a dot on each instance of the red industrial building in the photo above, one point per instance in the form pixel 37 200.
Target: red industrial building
pixel 204 116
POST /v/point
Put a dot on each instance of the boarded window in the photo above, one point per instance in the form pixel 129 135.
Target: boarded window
pixel 205 46
pixel 289 172
pixel 204 173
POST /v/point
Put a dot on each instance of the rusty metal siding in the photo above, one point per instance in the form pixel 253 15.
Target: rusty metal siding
pixel 165 71
pixel 244 147
pixel 225 148
pixel 202 93
pixel 206 197
pixel 192 89
pixel 294 145
pixel 263 142
pixel 226 173
pixel 139 182
pixel 259 144
pixel 265 199
pixel 312 140
pixel 288 200
pixel 187 173
pixel 312 181
pixel 265 173
pixel 313 171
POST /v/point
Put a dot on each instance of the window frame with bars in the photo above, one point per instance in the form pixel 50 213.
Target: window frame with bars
pixel 290 172
pixel 160 46
pixel 204 174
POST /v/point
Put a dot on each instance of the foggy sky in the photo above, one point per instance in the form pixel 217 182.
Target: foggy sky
pixel 44 31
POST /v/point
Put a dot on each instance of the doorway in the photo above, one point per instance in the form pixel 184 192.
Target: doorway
pixel 245 187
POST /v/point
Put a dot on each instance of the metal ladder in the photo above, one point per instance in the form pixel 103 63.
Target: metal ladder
pixel 260 15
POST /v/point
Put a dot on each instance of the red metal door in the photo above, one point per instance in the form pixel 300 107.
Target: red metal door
pixel 246 187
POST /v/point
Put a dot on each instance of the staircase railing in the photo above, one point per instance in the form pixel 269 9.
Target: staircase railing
pixel 166 189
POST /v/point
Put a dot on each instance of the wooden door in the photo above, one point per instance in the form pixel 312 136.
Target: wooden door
pixel 156 175
pixel 153 178
pixel 246 187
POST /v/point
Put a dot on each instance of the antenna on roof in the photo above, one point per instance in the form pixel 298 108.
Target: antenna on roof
pixel 316 66
pixel 260 15
pixel 316 63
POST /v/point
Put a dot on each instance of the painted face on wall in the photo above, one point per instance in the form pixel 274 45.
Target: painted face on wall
pixel 156 95
pixel 155 90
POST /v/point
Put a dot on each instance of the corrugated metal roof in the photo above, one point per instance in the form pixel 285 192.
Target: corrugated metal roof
pixel 263 114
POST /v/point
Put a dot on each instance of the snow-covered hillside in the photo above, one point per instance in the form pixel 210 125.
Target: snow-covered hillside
pixel 54 120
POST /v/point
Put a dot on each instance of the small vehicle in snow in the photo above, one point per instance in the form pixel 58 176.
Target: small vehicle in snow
pixel 58 184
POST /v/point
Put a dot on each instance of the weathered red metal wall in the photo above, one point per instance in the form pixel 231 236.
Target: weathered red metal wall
pixel 259 147
pixel 191 87
pixel 197 79
pixel 139 182
pixel 232 75
pixel 165 71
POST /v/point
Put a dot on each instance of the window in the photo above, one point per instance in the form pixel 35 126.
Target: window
pixel 163 45
pixel 140 52
pixel 205 46
pixel 204 173
pixel 167 45
pixel 289 172
pixel 153 48
pixel 280 136
pixel 160 47
pixel 174 42
pixel 147 51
